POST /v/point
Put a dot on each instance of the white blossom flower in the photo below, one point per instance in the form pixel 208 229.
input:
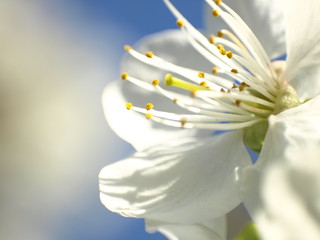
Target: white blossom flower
pixel 186 175
pixel 290 188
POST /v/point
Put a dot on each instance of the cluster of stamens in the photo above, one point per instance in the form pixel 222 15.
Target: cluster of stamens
pixel 239 91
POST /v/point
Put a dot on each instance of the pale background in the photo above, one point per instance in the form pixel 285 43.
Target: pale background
pixel 55 59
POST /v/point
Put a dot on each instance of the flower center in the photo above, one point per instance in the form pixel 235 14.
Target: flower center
pixel 286 98
pixel 241 91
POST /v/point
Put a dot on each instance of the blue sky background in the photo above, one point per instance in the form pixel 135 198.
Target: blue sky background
pixel 134 19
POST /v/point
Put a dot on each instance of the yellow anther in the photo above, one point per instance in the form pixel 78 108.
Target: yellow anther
pixel 180 23
pixel 183 122
pixel 219 46
pixel 215 70
pixel 222 90
pixel 148 115
pixel 229 54
pixel 173 81
pixel 223 51
pixel 155 82
pixel 218 2
pixel 124 76
pixel 244 84
pixel 127 47
pixel 175 100
pixel 215 13
pixel 212 39
pixel 149 106
pixel 128 106
pixel 201 74
pixel 203 84
pixel 234 71
pixel 149 54
pixel 220 34
pixel 234 86
pixel 237 102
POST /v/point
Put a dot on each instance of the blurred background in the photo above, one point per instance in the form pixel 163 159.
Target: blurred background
pixel 55 59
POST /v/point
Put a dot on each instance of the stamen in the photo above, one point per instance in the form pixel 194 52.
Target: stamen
pixel 201 74
pixel 155 82
pixel 220 46
pixel 234 39
pixel 140 83
pixel 255 110
pixel 229 54
pixel 242 86
pixel 212 39
pixel 128 106
pixel 211 126
pixel 180 23
pixel 216 107
pixel 236 95
pixel 220 34
pixel 203 84
pixel 223 51
pixel 242 95
pixel 124 76
pixel 149 54
pixel 183 122
pixel 247 36
pixel 127 47
pixel 215 13
pixel 230 107
pixel 170 67
pixel 149 106
pixel 198 41
pixel 231 118
pixel 215 70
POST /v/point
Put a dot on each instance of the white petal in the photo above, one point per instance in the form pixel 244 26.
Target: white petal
pixel 303 37
pixel 169 182
pixel 211 230
pixel 291 197
pixel 237 220
pixel 290 134
pixel 294 131
pixel 134 127
pixel 264 17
